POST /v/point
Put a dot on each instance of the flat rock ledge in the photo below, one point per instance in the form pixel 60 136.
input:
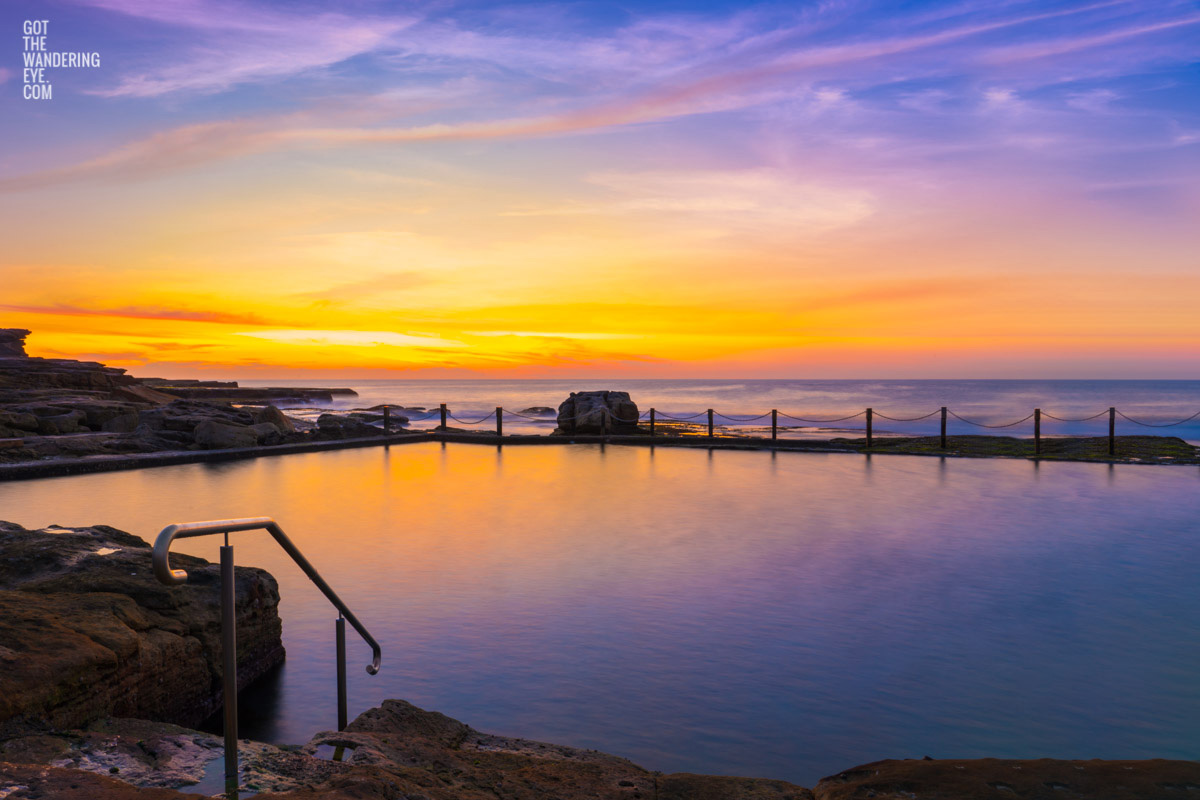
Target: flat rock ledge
pixel 401 752
pixel 86 631
pixel 396 751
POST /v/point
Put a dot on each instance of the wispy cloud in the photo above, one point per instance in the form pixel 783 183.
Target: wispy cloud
pixel 739 198
pixel 656 69
pixel 135 312
pixel 325 338
pixel 239 43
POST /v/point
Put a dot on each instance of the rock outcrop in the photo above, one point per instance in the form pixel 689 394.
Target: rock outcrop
pixel 597 412
pixel 401 752
pixel 332 426
pixel 86 631
pixel 64 409
pixel 253 394
pixel 977 779
pixel 12 342
pixel 396 751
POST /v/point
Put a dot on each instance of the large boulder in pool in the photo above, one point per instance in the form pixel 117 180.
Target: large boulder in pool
pixel 597 412
pixel 87 631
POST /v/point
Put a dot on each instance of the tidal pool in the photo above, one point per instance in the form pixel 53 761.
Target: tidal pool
pixel 781 615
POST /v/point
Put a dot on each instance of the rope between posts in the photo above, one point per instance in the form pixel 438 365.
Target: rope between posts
pixel 1081 419
pixel 839 419
pixel 906 419
pixel 608 413
pixel 476 422
pixel 743 419
pixel 994 427
pixel 525 416
pixel 1152 425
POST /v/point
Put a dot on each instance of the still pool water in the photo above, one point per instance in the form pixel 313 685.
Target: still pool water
pixel 783 615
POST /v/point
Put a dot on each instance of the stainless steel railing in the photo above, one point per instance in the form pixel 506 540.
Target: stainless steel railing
pixel 163 571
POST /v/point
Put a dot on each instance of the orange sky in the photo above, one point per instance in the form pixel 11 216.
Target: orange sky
pixel 745 203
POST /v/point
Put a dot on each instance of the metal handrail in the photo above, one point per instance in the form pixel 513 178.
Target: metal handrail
pixel 186 530
pixel 173 577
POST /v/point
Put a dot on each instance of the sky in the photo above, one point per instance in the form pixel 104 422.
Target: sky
pixel 838 189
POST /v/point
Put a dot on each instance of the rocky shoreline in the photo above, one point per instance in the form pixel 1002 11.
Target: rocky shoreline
pixel 64 409
pixel 86 631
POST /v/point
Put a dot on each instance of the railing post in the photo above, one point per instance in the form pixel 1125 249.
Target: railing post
pixel 387 418
pixel 499 421
pixel 870 412
pixel 1112 431
pixel 604 422
pixel 710 423
pixel 1037 431
pixel 229 667
pixel 774 424
pixel 943 427
pixel 443 410
pixel 652 422
pixel 341 672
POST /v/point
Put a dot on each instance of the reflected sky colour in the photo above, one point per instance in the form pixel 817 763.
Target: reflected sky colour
pixel 829 189
pixel 781 615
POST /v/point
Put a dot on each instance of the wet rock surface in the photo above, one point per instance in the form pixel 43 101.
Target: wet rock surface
pixel 597 412
pixel 1040 779
pixel 395 751
pixel 86 631
pixel 401 752
pixel 64 409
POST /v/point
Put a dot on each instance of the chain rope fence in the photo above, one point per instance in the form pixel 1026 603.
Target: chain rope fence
pixel 775 415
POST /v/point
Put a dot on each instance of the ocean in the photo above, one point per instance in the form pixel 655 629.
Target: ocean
pixel 983 402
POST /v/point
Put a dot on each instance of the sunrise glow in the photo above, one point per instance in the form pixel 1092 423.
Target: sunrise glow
pixel 257 189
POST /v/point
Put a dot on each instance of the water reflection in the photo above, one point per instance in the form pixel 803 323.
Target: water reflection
pixel 785 615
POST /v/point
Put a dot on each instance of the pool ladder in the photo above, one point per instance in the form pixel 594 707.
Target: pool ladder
pixel 163 571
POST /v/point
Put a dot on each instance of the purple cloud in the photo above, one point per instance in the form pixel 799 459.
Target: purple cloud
pixel 239 43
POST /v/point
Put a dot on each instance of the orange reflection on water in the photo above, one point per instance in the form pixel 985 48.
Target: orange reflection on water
pixel 741 612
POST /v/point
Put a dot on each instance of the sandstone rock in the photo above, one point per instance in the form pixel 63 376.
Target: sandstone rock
pixel 184 415
pixel 396 752
pixel 267 433
pixel 214 435
pixel 98 412
pixel 255 394
pixel 75 446
pixel 597 412
pixel 58 374
pixel 954 779
pixel 70 422
pixel 270 413
pixel 168 383
pixel 332 426
pixel 12 342
pixel 124 423
pixel 18 420
pixel 401 752
pixel 89 632
pixel 25 782
pixel 144 394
